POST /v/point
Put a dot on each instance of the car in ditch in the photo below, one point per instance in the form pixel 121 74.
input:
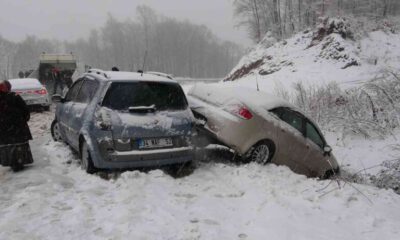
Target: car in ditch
pixel 32 91
pixel 261 128
pixel 122 120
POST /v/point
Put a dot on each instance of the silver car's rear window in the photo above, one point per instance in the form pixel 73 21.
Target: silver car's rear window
pixel 164 96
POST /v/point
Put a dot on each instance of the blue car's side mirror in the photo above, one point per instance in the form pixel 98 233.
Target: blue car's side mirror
pixel 57 98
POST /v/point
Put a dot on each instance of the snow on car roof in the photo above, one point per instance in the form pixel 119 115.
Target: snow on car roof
pixel 161 74
pixel 122 76
pixel 25 83
pixel 221 94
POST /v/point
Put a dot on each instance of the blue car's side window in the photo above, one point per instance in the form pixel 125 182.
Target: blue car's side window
pixel 87 91
pixel 73 91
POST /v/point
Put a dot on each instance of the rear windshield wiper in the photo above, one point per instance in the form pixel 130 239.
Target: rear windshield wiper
pixel 143 109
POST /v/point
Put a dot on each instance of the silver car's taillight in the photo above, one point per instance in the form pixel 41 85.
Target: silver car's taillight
pixel 42 91
pixel 240 111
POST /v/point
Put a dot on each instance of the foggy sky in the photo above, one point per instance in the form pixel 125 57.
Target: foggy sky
pixel 71 19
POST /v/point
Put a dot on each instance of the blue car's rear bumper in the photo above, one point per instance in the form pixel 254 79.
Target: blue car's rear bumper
pixel 146 158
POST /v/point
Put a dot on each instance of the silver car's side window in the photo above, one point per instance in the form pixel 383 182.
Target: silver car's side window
pixel 313 135
pixel 277 112
pixel 293 120
pixel 290 117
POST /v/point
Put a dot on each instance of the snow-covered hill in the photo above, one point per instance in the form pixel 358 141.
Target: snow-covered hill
pixel 330 53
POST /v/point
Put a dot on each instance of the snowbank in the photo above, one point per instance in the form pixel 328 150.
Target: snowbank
pixel 55 199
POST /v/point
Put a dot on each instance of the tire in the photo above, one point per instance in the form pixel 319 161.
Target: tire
pixel 86 159
pixel 181 170
pixel 330 174
pixel 56 131
pixel 261 153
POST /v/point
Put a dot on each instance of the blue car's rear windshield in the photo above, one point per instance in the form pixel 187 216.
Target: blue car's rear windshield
pixel 163 96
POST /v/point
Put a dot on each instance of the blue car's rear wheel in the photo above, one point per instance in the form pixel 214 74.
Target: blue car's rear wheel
pixel 55 131
pixel 86 160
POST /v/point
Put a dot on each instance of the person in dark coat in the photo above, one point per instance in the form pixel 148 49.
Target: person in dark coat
pixel 21 74
pixel 14 129
pixel 58 81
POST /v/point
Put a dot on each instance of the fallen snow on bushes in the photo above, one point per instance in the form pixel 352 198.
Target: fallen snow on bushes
pixel 55 199
pixel 367 156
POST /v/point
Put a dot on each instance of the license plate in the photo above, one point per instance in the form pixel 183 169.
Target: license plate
pixel 155 143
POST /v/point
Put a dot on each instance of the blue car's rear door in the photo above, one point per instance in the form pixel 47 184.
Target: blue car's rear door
pixel 65 110
pixel 79 109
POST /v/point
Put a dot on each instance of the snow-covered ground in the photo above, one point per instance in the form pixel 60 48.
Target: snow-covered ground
pixel 55 199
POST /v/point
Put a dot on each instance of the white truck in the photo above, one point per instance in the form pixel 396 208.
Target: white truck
pixel 55 71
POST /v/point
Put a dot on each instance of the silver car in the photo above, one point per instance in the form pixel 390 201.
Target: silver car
pixel 119 120
pixel 262 128
pixel 32 91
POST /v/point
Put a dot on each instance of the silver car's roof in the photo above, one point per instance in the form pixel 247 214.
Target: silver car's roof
pixel 221 94
pixel 25 83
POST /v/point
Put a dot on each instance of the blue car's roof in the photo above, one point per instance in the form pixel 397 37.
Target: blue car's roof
pixel 127 76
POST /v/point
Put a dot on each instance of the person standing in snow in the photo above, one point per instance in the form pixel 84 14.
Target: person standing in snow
pixel 58 81
pixel 14 130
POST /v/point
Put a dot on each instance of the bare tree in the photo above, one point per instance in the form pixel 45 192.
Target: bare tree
pixel 176 47
pixel 281 18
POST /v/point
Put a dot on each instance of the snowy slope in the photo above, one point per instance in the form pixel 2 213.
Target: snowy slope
pixel 347 61
pixel 55 199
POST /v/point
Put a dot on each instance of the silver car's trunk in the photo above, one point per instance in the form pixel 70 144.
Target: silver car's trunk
pixel 28 93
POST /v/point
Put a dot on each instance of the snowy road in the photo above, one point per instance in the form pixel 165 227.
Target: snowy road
pixel 55 199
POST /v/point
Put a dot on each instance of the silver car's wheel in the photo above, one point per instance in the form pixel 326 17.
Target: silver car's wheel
pixel 86 160
pixel 55 131
pixel 260 154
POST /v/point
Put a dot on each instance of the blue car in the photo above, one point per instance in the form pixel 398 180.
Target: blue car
pixel 120 120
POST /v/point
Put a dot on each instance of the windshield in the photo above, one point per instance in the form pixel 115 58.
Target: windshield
pixel 163 96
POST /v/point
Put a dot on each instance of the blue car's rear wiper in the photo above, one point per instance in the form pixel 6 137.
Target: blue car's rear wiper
pixel 143 109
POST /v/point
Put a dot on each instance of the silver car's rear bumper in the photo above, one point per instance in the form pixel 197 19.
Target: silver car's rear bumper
pixel 43 101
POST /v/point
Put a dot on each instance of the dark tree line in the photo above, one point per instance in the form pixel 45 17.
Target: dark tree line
pixel 154 42
pixel 7 51
pixel 285 17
